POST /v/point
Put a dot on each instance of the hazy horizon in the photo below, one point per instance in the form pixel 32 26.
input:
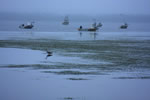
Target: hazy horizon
pixel 77 10
pixel 67 7
pixel 74 17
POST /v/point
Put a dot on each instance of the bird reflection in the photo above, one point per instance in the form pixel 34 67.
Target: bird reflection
pixel 49 53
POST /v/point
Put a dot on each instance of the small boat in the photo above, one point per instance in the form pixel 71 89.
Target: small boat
pixel 125 26
pixel 93 28
pixel 29 25
pixel 66 21
pixel 87 29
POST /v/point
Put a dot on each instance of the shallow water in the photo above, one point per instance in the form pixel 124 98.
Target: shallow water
pixel 30 84
pixel 110 64
pixel 15 56
pixel 30 34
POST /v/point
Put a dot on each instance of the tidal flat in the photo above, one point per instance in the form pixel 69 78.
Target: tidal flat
pixel 77 69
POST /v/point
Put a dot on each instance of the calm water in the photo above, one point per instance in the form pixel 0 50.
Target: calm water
pixel 110 64
pixel 56 26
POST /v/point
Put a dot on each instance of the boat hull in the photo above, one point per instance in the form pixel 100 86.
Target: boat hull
pixel 88 29
pixel 123 27
pixel 26 26
pixel 65 23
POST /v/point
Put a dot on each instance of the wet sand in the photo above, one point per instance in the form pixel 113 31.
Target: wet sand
pixel 82 66
pixel 25 84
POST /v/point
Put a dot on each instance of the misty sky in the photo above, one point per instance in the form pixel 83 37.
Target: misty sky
pixel 76 6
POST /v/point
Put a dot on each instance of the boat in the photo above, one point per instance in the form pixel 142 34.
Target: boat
pixel 94 27
pixel 124 26
pixel 29 25
pixel 66 21
pixel 87 29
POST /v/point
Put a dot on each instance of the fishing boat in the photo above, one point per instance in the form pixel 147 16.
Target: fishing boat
pixel 124 26
pixel 29 25
pixel 66 21
pixel 87 29
pixel 92 28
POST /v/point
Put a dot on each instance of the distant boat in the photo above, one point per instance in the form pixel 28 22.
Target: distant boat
pixel 124 26
pixel 94 27
pixel 66 21
pixel 87 29
pixel 29 25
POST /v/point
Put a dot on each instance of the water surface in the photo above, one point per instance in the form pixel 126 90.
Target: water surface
pixel 109 64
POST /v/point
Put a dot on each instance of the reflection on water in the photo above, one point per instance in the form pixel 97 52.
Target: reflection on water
pixel 80 34
pixel 30 32
pixel 91 34
pixel 72 98
pixel 94 35
pixel 75 35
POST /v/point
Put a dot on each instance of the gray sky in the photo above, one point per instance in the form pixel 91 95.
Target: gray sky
pixel 77 6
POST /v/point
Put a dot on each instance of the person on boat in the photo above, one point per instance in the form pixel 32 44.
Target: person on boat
pixel 80 27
